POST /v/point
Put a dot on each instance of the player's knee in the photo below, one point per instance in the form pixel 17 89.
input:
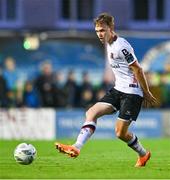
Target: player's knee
pixel 91 115
pixel 88 113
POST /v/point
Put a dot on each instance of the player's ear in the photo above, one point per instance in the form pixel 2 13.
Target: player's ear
pixel 111 31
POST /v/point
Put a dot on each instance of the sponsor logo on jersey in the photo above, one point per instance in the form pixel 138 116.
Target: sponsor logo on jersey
pixel 115 66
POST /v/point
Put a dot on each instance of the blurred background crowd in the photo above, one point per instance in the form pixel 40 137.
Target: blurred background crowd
pixel 49 88
pixel 50 55
pixel 58 89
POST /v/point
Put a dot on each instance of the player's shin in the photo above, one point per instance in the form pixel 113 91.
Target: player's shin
pixel 135 144
pixel 86 131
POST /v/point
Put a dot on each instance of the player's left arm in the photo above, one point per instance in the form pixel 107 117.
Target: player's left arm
pixel 127 53
pixel 141 78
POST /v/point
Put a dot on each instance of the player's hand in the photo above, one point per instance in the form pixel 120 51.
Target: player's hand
pixel 149 100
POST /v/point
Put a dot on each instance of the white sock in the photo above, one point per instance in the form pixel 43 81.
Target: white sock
pixel 85 133
pixel 135 144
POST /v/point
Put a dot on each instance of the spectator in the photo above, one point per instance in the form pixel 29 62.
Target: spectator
pixel 165 90
pixel 86 98
pixel 86 91
pixel 106 84
pixel 3 91
pixel 10 73
pixel 30 96
pixel 60 92
pixel 100 93
pixel 45 85
pixel 71 89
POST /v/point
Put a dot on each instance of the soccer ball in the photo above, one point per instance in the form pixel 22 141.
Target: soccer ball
pixel 25 153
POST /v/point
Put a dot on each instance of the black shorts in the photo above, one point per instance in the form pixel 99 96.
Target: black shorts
pixel 128 105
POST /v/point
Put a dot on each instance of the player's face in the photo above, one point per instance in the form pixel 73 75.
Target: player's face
pixel 103 32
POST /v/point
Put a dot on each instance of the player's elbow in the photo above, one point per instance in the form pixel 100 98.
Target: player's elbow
pixel 137 70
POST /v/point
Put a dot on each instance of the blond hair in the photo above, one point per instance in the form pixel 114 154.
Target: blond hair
pixel 105 18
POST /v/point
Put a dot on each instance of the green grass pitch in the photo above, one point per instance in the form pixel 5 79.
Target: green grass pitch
pixel 99 159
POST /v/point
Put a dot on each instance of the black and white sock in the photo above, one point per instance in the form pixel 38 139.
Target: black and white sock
pixel 86 131
pixel 135 144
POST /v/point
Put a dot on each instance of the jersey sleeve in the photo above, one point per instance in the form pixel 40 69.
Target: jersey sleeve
pixel 126 53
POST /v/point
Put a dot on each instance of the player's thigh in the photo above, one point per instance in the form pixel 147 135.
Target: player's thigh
pixel 130 106
pixel 112 97
pixel 99 109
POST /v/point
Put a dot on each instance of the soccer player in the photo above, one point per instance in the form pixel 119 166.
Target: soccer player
pixel 126 96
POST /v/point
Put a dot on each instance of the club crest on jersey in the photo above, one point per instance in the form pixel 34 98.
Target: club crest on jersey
pixel 111 56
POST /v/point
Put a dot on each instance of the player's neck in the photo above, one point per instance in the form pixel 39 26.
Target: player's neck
pixel 112 38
